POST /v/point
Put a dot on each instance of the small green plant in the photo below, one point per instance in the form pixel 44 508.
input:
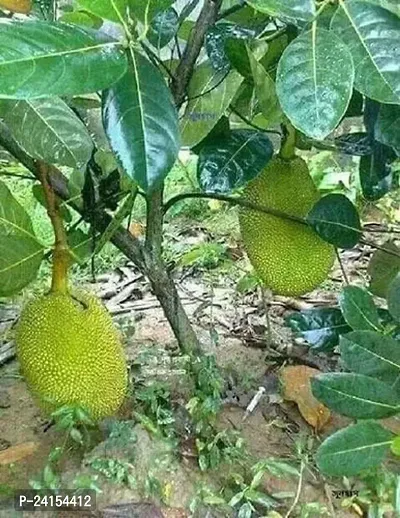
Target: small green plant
pixel 114 470
pixel 213 447
pixel 154 410
pixel 75 424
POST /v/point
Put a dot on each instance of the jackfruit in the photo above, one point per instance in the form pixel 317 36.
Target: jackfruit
pixel 289 257
pixel 71 354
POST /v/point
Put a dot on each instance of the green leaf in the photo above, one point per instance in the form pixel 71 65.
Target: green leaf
pixel 336 220
pixel 141 123
pixel 232 160
pixel 14 220
pixel 20 259
pixel 371 354
pixel 320 327
pixel 354 449
pixel 82 18
pixel 315 82
pixel 163 28
pixel 265 91
pixel 373 35
pixel 142 9
pixel 48 130
pixel 114 10
pixel 210 94
pixel 50 59
pixel 387 129
pixel 383 268
pixel 394 298
pixel 303 10
pixel 356 395
pixel 358 309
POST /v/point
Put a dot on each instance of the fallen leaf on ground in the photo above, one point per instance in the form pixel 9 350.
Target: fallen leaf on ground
pixel 18 452
pixel 297 387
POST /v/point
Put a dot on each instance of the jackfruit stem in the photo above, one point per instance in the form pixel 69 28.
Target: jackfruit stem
pixel 288 146
pixel 61 254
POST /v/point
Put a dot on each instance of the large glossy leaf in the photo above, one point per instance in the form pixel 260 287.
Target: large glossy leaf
pixel 372 354
pixel 44 59
pixel 141 123
pixel 320 327
pixel 358 309
pixel 383 268
pixel 265 91
pixel 20 259
pixel 233 160
pixel 387 129
pixel 210 94
pixel 356 395
pixel 373 35
pixel 296 9
pixel 315 81
pixel 394 298
pixel 47 129
pixel 354 449
pixel 336 220
pixel 114 10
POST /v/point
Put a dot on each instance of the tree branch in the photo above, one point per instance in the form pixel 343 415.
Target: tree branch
pixel 233 201
pixel 208 16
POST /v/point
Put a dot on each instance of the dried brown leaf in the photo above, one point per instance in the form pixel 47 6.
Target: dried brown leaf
pixel 297 387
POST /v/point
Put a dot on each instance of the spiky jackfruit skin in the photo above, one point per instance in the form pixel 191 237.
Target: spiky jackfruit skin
pixel 71 354
pixel 290 258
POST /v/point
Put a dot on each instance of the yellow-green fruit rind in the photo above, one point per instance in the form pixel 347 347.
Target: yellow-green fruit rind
pixel 71 354
pixel 290 258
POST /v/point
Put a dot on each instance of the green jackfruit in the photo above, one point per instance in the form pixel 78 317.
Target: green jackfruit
pixel 290 258
pixel 71 353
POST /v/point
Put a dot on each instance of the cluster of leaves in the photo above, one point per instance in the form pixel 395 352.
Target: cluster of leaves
pixel 212 447
pixel 369 347
pixel 154 409
pixel 258 55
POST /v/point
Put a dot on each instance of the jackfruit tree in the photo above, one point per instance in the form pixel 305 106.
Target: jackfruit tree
pixel 98 98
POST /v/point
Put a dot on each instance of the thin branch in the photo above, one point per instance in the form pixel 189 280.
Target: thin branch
pixel 249 123
pixel 346 279
pixel 233 201
pixel 184 71
pixel 156 60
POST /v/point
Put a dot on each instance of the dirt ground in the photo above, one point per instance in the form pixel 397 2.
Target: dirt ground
pixel 232 327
